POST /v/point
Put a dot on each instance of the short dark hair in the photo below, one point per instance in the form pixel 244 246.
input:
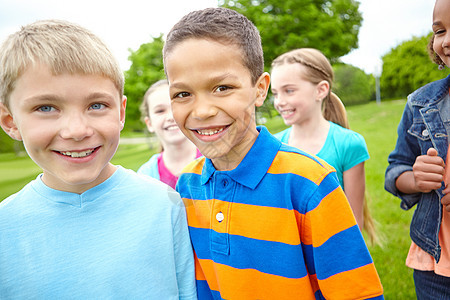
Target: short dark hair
pixel 222 25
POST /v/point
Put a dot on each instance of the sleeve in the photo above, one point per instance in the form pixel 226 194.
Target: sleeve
pixel 356 152
pixel 337 255
pixel 150 168
pixel 402 159
pixel 283 136
pixel 184 257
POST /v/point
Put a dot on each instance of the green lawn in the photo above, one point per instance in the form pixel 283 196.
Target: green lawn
pixel 377 123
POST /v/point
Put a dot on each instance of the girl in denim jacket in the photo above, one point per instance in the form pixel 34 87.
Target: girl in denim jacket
pixel 417 166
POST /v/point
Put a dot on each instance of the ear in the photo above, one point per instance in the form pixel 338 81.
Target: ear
pixel 148 122
pixel 322 89
pixel 262 86
pixel 123 105
pixel 8 124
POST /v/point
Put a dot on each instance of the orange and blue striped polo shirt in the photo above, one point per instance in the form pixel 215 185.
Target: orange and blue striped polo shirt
pixel 276 227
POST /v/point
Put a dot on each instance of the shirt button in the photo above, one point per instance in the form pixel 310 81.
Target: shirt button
pixel 425 132
pixel 225 183
pixel 220 217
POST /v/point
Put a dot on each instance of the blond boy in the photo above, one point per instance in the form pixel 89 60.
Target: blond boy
pixel 85 228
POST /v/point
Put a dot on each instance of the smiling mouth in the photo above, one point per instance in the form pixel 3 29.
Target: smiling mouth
pixel 209 132
pixel 286 112
pixel 78 154
pixel 171 127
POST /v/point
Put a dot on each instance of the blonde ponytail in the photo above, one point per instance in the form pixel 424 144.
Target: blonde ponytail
pixel 334 110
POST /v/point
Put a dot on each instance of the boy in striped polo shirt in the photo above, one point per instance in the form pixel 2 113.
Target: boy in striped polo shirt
pixel 267 221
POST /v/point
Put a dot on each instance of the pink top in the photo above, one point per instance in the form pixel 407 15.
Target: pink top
pixel 165 175
pixel 420 260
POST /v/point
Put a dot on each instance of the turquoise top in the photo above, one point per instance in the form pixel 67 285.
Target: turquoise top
pixel 343 148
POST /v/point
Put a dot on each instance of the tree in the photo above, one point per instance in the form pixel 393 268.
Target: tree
pixel 408 67
pixel 352 84
pixel 331 26
pixel 146 68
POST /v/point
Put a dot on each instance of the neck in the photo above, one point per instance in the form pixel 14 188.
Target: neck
pixel 310 128
pixel 310 136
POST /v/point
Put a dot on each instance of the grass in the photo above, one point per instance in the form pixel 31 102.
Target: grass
pixel 377 123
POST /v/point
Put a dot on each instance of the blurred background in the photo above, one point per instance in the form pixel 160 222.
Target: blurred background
pixel 373 46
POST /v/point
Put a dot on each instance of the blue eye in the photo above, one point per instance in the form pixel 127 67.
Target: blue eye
pixel 46 108
pixel 97 106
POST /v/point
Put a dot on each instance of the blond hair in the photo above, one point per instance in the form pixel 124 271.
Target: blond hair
pixel 62 46
pixel 318 68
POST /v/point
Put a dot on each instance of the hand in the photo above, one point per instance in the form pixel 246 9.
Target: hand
pixel 428 171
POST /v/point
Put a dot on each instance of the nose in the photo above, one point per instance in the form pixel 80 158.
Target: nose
pixel 204 108
pixel 169 115
pixel 446 41
pixel 76 126
pixel 278 101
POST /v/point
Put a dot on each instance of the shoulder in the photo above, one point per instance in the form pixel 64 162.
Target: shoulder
pixel 140 186
pixel 26 192
pixel 150 168
pixel 283 136
pixel 17 205
pixel 195 166
pixel 295 161
pixel 346 137
pixel 430 92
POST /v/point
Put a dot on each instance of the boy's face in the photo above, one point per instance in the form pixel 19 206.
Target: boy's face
pixel 213 99
pixel 70 125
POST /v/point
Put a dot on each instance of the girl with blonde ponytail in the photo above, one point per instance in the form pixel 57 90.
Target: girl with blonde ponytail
pixel 301 84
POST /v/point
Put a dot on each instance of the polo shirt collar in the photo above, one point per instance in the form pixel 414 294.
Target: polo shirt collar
pixel 255 164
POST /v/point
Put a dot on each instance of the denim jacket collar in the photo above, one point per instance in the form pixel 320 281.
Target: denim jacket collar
pixel 431 93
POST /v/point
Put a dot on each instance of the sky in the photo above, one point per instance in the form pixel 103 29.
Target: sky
pixel 125 25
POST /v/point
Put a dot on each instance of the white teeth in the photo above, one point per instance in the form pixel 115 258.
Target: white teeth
pixel 286 112
pixel 172 127
pixel 78 154
pixel 209 131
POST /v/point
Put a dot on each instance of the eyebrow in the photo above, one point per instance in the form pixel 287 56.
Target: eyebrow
pixel 98 95
pixel 55 98
pixel 209 81
pixel 43 97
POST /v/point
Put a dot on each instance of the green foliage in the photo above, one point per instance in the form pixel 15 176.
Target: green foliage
pixel 330 26
pixel 352 84
pixel 146 68
pixel 7 144
pixel 408 67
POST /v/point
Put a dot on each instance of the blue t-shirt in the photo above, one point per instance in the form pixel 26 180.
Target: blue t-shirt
pixel 343 148
pixel 126 238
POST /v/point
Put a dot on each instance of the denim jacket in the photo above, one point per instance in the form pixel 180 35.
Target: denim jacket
pixel 423 125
